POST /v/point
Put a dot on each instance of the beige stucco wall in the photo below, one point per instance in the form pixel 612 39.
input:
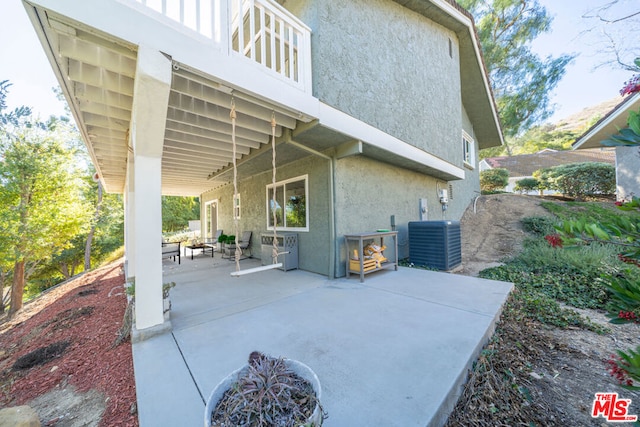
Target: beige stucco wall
pixel 314 244
pixel 389 67
pixel 369 192
pixel 399 72
pixel 627 172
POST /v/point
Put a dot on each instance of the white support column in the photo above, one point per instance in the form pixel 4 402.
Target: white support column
pixel 129 216
pixel 148 118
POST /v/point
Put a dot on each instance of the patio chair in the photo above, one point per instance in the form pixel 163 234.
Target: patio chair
pixel 212 243
pixel 244 243
pixel 171 250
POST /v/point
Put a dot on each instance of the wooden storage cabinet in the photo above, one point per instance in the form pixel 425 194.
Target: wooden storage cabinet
pixel 364 266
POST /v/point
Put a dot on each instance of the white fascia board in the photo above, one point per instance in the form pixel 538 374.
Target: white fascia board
pixel 44 41
pixel 618 117
pixel 339 121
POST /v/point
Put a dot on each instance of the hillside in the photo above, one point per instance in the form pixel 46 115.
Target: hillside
pixel 557 370
pixel 57 354
pixel 580 121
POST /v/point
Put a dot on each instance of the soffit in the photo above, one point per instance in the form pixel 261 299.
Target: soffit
pixel 97 72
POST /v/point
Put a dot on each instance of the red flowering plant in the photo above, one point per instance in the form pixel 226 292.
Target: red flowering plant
pixel 624 232
pixel 554 240
pixel 633 85
pixel 624 284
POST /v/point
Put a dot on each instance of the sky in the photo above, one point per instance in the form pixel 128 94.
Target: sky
pixel 25 65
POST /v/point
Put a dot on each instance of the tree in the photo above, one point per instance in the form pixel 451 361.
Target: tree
pixel 614 28
pixel 494 179
pixel 525 185
pixel 12 117
pixel 521 80
pixel 177 211
pixel 40 207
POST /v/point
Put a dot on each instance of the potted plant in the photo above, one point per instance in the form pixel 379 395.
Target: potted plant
pixel 222 239
pixel 229 240
pixel 267 391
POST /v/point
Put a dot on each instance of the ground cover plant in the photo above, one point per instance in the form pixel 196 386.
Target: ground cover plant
pixel 550 281
pixel 552 349
pixel 623 283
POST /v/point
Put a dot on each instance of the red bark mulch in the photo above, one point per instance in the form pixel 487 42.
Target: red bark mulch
pixel 87 312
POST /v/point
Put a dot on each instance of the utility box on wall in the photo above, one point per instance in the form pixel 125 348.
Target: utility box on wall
pixel 435 244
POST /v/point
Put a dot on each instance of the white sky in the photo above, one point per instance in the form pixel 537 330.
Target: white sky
pixel 25 65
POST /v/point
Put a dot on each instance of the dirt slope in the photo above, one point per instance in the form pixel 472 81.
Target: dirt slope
pixel 494 231
pixel 56 355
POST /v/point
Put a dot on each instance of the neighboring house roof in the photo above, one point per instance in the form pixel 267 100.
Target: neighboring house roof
pixel 477 95
pixel 608 125
pixel 526 164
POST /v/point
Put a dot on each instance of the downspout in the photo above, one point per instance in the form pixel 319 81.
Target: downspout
pixel 332 217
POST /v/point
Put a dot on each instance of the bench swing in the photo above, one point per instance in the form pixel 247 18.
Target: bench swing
pixel 238 251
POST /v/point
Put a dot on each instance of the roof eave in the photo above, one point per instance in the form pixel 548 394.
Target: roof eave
pixel 610 124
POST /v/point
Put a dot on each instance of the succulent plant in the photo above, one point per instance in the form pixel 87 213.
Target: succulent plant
pixel 267 393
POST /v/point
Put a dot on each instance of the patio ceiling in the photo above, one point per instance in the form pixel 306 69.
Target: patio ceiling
pixel 97 73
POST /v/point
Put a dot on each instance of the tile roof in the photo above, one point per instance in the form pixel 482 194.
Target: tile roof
pixel 525 164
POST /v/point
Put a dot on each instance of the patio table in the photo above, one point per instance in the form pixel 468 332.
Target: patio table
pixel 203 249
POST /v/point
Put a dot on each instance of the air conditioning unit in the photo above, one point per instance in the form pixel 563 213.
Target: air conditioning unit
pixel 435 244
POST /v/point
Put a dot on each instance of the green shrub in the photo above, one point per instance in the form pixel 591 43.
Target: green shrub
pixel 579 179
pixel 540 225
pixel 525 185
pixel 494 179
pixel 546 276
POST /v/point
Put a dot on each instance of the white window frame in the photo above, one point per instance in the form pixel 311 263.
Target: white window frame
pixel 281 186
pixel 468 150
pixel 237 211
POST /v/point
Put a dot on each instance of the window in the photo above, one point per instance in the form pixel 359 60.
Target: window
pixel 291 205
pixel 468 150
pixel 236 206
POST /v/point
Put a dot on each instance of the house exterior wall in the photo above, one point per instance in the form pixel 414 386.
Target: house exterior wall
pixel 627 176
pixel 313 246
pixel 400 77
pixel 355 70
pixel 368 192
pixel 465 190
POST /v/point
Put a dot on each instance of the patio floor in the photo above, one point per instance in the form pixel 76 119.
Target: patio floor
pixel 392 351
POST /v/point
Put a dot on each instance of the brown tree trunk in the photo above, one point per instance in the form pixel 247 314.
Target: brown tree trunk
pixel 64 269
pixel 87 248
pixel 17 290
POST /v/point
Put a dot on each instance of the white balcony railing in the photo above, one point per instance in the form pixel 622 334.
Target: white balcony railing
pixel 261 31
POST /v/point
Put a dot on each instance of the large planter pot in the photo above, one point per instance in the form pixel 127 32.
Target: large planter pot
pixel 298 368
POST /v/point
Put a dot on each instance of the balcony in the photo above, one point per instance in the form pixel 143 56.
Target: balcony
pixel 259 31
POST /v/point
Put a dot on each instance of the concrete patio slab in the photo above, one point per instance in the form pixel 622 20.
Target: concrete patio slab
pixel 392 351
